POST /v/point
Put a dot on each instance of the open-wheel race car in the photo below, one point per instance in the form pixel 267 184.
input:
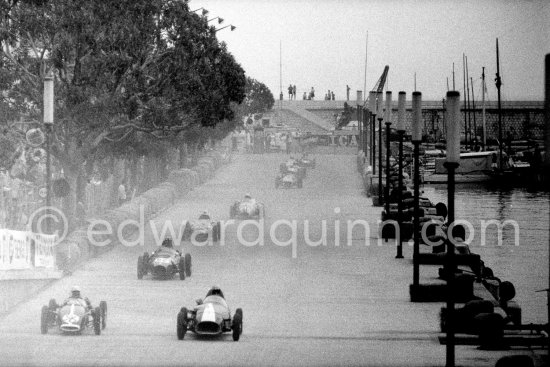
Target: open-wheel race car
pixel 201 229
pixel 210 317
pixel 288 180
pixel 164 263
pixel 292 166
pixel 306 161
pixel 247 208
pixel 74 316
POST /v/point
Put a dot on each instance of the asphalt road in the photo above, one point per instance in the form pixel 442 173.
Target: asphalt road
pixel 319 305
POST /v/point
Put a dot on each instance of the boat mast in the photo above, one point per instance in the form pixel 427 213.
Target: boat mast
pixel 474 113
pixel 498 83
pixel 464 105
pixel 483 87
pixel 469 132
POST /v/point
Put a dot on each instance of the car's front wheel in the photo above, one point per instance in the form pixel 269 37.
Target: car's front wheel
pixel 188 264
pixel 181 269
pixel 97 320
pixel 237 324
pixel 181 324
pixel 103 308
pixel 44 320
pixel 140 267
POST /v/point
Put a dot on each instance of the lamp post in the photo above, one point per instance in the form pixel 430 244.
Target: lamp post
pixel 48 126
pixel 204 11
pixel 400 132
pixel 220 20
pixel 227 26
pixel 360 116
pixel 388 124
pixel 380 118
pixel 451 164
pixel 365 135
pixel 416 140
pixel 372 109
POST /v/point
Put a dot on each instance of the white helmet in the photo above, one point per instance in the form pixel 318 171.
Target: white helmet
pixel 75 291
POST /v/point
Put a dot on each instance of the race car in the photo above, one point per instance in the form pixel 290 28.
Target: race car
pixel 247 208
pixel 292 166
pixel 163 263
pixel 305 161
pixel 201 229
pixel 210 317
pixel 73 317
pixel 288 180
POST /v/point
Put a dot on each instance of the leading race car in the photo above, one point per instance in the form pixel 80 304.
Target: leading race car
pixel 201 229
pixel 288 180
pixel 248 208
pixel 73 317
pixel 164 263
pixel 210 317
pixel 306 161
pixel 292 166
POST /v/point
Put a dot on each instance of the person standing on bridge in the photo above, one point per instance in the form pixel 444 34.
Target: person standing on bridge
pixel 290 89
pixel 294 91
pixel 347 92
pixel 312 94
pixel 332 95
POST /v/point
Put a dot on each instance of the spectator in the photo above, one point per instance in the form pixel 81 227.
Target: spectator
pixel 347 92
pixel 122 192
pixel 332 95
pixel 312 93
pixel 305 96
pixel 290 89
pixel 294 91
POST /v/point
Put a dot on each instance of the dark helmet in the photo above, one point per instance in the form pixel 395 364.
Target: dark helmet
pixel 215 291
pixel 75 291
pixel 167 243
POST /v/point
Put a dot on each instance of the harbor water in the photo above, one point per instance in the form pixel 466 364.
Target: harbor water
pixel 521 258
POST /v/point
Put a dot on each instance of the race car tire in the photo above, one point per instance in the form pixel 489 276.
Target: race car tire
pixel 97 320
pixel 237 326
pixel 187 232
pixel 216 232
pixel 52 305
pixel 140 267
pixel 44 316
pixel 232 211
pixel 145 262
pixel 188 264
pixel 181 269
pixel 181 324
pixel 103 308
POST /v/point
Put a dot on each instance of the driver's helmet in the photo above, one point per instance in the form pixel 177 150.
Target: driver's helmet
pixel 167 243
pixel 247 196
pixel 215 291
pixel 75 292
pixel 204 215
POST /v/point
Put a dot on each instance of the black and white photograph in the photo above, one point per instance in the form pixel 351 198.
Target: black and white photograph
pixel 275 183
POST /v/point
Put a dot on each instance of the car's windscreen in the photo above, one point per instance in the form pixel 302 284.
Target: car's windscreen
pixel 215 299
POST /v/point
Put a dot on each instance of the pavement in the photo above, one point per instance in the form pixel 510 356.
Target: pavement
pixel 343 303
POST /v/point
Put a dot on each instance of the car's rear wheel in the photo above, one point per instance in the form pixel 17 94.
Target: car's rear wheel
pixel 103 308
pixel 140 267
pixel 145 263
pixel 188 265
pixel 52 305
pixel 44 316
pixel 237 325
pixel 187 232
pixel 181 325
pixel 181 268
pixel 97 320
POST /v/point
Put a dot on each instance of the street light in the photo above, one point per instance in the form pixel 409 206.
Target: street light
pixel 380 118
pixel 231 25
pixel 220 20
pixel 204 11
pixel 372 109
pixel 451 164
pixel 416 140
pixel 388 131
pixel 360 116
pixel 48 126
pixel 400 133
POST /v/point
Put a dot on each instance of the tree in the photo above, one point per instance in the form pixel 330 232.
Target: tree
pixel 258 98
pixel 128 73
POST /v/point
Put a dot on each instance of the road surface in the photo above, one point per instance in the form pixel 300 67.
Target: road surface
pixel 321 305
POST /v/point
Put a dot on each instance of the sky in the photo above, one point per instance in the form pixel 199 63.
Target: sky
pixel 324 44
